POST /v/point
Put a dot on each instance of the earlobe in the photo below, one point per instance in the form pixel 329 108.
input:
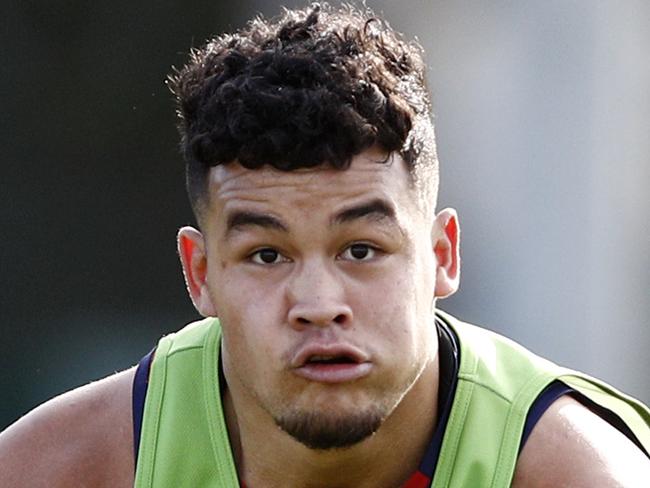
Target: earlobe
pixel 446 240
pixel 191 249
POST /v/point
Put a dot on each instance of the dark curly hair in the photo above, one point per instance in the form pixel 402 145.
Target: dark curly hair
pixel 315 86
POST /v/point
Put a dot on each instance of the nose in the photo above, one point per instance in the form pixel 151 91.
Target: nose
pixel 317 297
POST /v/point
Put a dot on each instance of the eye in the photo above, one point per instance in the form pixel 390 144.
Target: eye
pixel 359 252
pixel 267 256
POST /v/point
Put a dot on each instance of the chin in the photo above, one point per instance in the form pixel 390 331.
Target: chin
pixel 328 430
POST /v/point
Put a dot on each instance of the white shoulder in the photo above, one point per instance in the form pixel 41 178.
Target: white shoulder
pixel 572 447
pixel 81 438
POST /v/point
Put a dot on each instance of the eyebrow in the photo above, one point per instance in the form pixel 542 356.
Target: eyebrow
pixel 240 219
pixel 376 209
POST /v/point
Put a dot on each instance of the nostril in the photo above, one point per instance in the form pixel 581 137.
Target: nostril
pixel 339 319
pixel 320 318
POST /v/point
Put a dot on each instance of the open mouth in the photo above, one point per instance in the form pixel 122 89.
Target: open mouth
pixel 326 359
pixel 342 366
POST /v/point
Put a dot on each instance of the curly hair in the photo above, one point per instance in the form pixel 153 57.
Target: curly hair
pixel 315 86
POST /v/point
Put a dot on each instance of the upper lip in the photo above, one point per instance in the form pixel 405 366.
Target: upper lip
pixel 333 350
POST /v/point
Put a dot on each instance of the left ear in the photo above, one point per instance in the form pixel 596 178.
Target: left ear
pixel 445 239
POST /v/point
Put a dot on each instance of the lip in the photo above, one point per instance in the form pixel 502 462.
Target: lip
pixel 331 373
pixel 334 373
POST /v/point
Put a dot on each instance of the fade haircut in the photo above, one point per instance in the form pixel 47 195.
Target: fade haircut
pixel 314 86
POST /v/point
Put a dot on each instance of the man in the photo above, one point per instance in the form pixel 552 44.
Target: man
pixel 312 172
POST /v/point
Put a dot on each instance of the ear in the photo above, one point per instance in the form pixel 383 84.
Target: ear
pixel 191 249
pixel 446 240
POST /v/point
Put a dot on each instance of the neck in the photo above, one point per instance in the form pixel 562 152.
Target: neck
pixel 266 456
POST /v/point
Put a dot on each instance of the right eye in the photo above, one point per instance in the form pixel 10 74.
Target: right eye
pixel 267 256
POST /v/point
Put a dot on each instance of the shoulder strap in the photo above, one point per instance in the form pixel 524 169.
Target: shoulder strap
pixel 498 382
pixel 184 440
pixel 140 384
pixel 634 414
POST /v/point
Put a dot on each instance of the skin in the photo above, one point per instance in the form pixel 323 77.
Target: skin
pixel 573 448
pixel 83 438
pixel 321 287
pixel 317 293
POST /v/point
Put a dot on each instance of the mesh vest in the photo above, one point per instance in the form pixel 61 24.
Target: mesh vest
pixel 184 440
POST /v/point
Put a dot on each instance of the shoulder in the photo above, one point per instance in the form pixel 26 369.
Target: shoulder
pixel 80 438
pixel 571 446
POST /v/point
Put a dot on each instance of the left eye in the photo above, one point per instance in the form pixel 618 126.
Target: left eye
pixel 359 252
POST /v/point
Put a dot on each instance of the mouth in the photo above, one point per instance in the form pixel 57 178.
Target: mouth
pixel 330 359
pixel 334 364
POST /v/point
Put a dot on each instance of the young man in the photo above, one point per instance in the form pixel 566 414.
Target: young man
pixel 312 172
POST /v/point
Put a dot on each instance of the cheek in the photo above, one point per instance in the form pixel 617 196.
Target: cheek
pixel 249 351
pixel 241 297
pixel 400 312
pixel 251 316
pixel 387 309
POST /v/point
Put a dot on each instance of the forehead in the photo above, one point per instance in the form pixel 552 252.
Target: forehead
pixel 320 189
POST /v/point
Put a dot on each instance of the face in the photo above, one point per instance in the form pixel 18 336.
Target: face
pixel 324 281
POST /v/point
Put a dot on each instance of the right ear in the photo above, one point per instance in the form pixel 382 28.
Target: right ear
pixel 191 249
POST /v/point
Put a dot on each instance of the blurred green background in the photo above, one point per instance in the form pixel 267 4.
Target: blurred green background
pixel 542 116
